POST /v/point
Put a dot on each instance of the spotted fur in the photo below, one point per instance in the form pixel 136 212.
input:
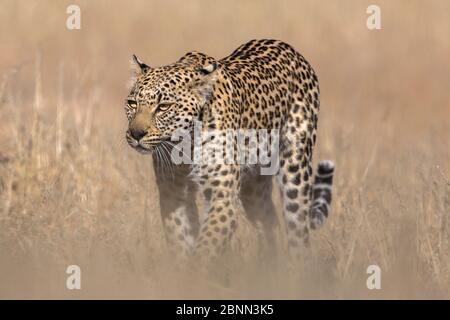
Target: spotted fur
pixel 264 84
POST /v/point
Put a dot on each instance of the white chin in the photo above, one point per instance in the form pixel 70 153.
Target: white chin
pixel 142 150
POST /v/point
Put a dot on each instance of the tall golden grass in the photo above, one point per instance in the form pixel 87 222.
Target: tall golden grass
pixel 73 192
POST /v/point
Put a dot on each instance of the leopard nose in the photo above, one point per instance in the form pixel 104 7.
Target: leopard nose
pixel 138 134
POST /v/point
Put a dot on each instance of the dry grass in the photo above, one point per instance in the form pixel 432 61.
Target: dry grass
pixel 73 192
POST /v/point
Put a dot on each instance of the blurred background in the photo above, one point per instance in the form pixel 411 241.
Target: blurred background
pixel 73 192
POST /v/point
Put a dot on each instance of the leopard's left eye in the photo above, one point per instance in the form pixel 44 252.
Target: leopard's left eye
pixel 164 106
pixel 131 103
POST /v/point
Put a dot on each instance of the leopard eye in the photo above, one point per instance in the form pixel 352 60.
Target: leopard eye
pixel 131 103
pixel 130 108
pixel 164 106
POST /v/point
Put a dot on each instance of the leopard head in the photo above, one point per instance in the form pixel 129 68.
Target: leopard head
pixel 165 99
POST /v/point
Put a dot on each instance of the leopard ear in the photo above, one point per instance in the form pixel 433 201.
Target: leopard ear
pixel 208 69
pixel 203 85
pixel 138 66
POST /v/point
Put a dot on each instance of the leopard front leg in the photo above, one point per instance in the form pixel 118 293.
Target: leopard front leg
pixel 178 211
pixel 219 184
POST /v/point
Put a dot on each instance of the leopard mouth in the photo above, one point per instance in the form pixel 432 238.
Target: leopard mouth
pixel 143 150
pixel 149 148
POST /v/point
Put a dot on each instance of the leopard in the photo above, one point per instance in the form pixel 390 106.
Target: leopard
pixel 262 85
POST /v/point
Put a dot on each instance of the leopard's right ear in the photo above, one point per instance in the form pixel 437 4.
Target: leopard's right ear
pixel 208 69
pixel 138 66
pixel 204 82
